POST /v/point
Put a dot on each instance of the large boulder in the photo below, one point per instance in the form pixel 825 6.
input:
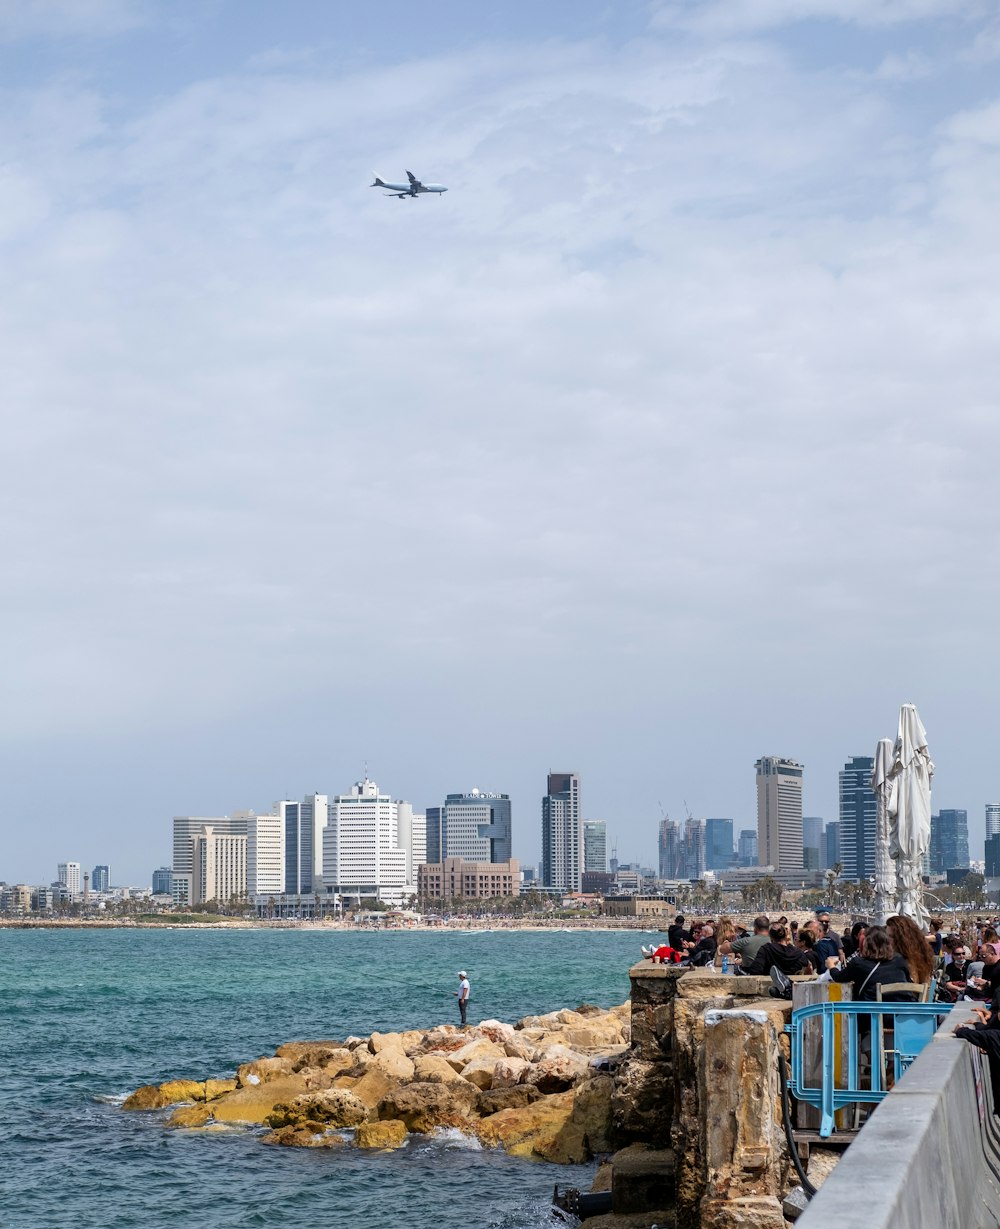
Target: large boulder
pixel 393 1063
pixel 480 1048
pixel 303 1137
pixel 558 1070
pixel 336 1107
pixel 308 1053
pixel 592 1112
pixel 385 1135
pixel 543 1130
pixel 520 1047
pixel 434 1069
pixel 480 1072
pixel 497 1099
pixel 496 1031
pixel 378 1042
pixel 372 1087
pixel 218 1088
pixel 262 1070
pixel 170 1092
pixel 426 1106
pixel 509 1071
pixel 255 1103
pixel 196 1115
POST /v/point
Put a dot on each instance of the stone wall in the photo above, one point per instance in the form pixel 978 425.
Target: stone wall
pixel 701 1077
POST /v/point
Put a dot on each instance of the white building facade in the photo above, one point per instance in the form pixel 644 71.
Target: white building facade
pixel 69 874
pixel 219 866
pixel 362 852
pixel 265 854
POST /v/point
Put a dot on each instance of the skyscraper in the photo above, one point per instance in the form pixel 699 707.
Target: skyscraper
pixel 265 854
pixel 186 828
pixel 100 878
pixel 992 819
pixel 812 842
pixel 949 848
pixel 694 849
pixel 779 813
pixel 562 832
pixel 858 819
pixel 475 826
pixel 670 850
pixel 219 866
pixel 993 856
pixel 747 852
pixel 161 881
pixel 362 854
pixel 718 844
pixel 595 845
pixel 831 837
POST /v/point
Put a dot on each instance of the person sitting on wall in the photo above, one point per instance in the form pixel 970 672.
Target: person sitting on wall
pixel 677 936
pixel 982 987
pixel 828 942
pixel 806 943
pixel 877 964
pixel 747 946
pixel 703 952
pixel 953 980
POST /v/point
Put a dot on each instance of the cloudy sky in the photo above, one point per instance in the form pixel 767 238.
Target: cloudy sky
pixel 666 439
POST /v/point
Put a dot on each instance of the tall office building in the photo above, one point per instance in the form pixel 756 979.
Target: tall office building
pixel 694 849
pixel 219 866
pixel 185 829
pixel 595 845
pixel 562 832
pixel 831 839
pixel 69 876
pixel 858 819
pixel 411 835
pixel 474 826
pixel 303 824
pixel 161 881
pixel 362 854
pixel 993 856
pixel 718 844
pixel 265 853
pixel 746 853
pixel 992 819
pixel 779 813
pixel 812 842
pixel 949 849
pixel 100 879
pixel 671 853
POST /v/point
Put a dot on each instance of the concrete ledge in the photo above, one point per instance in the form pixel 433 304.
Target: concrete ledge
pixel 924 1158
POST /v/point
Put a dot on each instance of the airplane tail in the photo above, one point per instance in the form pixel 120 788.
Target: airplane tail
pixel 379 183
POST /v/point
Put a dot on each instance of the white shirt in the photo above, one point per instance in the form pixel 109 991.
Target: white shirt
pixel 463 988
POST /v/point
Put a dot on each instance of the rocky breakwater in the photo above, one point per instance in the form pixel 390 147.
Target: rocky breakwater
pixel 539 1088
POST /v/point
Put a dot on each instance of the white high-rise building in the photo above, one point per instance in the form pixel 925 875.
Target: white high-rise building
pixel 362 852
pixel 219 866
pixel 265 854
pixel 68 874
pixel 779 813
pixel 411 836
pixel 562 832
pixel 186 828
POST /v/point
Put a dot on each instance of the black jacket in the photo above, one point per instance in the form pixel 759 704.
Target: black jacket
pixel 790 960
pixel 864 975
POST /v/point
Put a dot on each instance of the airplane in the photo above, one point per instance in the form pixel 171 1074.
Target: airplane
pixel 413 188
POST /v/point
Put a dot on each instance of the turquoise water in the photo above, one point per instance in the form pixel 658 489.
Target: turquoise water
pixel 87 1016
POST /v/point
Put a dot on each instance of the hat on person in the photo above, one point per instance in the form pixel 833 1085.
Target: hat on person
pixel 462 973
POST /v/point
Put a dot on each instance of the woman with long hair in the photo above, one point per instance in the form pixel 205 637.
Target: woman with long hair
pixel 913 946
pixel 876 965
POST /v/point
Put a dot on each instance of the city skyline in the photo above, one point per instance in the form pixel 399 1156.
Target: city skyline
pixel 646 855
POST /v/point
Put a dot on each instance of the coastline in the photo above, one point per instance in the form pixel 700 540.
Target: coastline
pixel 639 926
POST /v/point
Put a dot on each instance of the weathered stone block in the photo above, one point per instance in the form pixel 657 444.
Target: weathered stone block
pixel 642 1178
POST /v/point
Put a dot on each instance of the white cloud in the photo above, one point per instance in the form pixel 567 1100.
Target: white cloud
pixel 26 19
pixel 729 17
pixel 625 419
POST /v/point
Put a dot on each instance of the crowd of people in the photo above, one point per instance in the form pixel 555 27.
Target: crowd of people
pixel 941 966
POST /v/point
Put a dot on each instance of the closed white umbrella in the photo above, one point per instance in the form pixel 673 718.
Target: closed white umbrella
pixel 909 811
pixel 885 871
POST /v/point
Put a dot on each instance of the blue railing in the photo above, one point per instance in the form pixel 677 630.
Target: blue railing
pixel 896 1031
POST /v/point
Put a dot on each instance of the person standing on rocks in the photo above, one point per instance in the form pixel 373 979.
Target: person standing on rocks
pixel 463 994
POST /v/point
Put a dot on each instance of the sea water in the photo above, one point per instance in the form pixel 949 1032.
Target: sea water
pixel 88 1015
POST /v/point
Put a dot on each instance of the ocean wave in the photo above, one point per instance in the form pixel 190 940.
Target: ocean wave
pixel 458 1141
pixel 110 1098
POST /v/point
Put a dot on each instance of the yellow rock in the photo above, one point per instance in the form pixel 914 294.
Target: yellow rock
pixel 190 1116
pixel 480 1072
pixel 393 1063
pixel 373 1086
pixel 264 1069
pixel 218 1088
pixel 480 1048
pixel 378 1042
pixel 146 1097
pixel 303 1137
pixel 543 1130
pixel 592 1112
pixel 389 1134
pixel 182 1090
pixel 434 1069
pixel 256 1103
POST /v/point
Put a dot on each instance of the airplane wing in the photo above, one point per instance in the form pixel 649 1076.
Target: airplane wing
pixel 414 181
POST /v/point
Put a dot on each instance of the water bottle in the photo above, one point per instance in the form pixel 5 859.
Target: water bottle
pixel 725 963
